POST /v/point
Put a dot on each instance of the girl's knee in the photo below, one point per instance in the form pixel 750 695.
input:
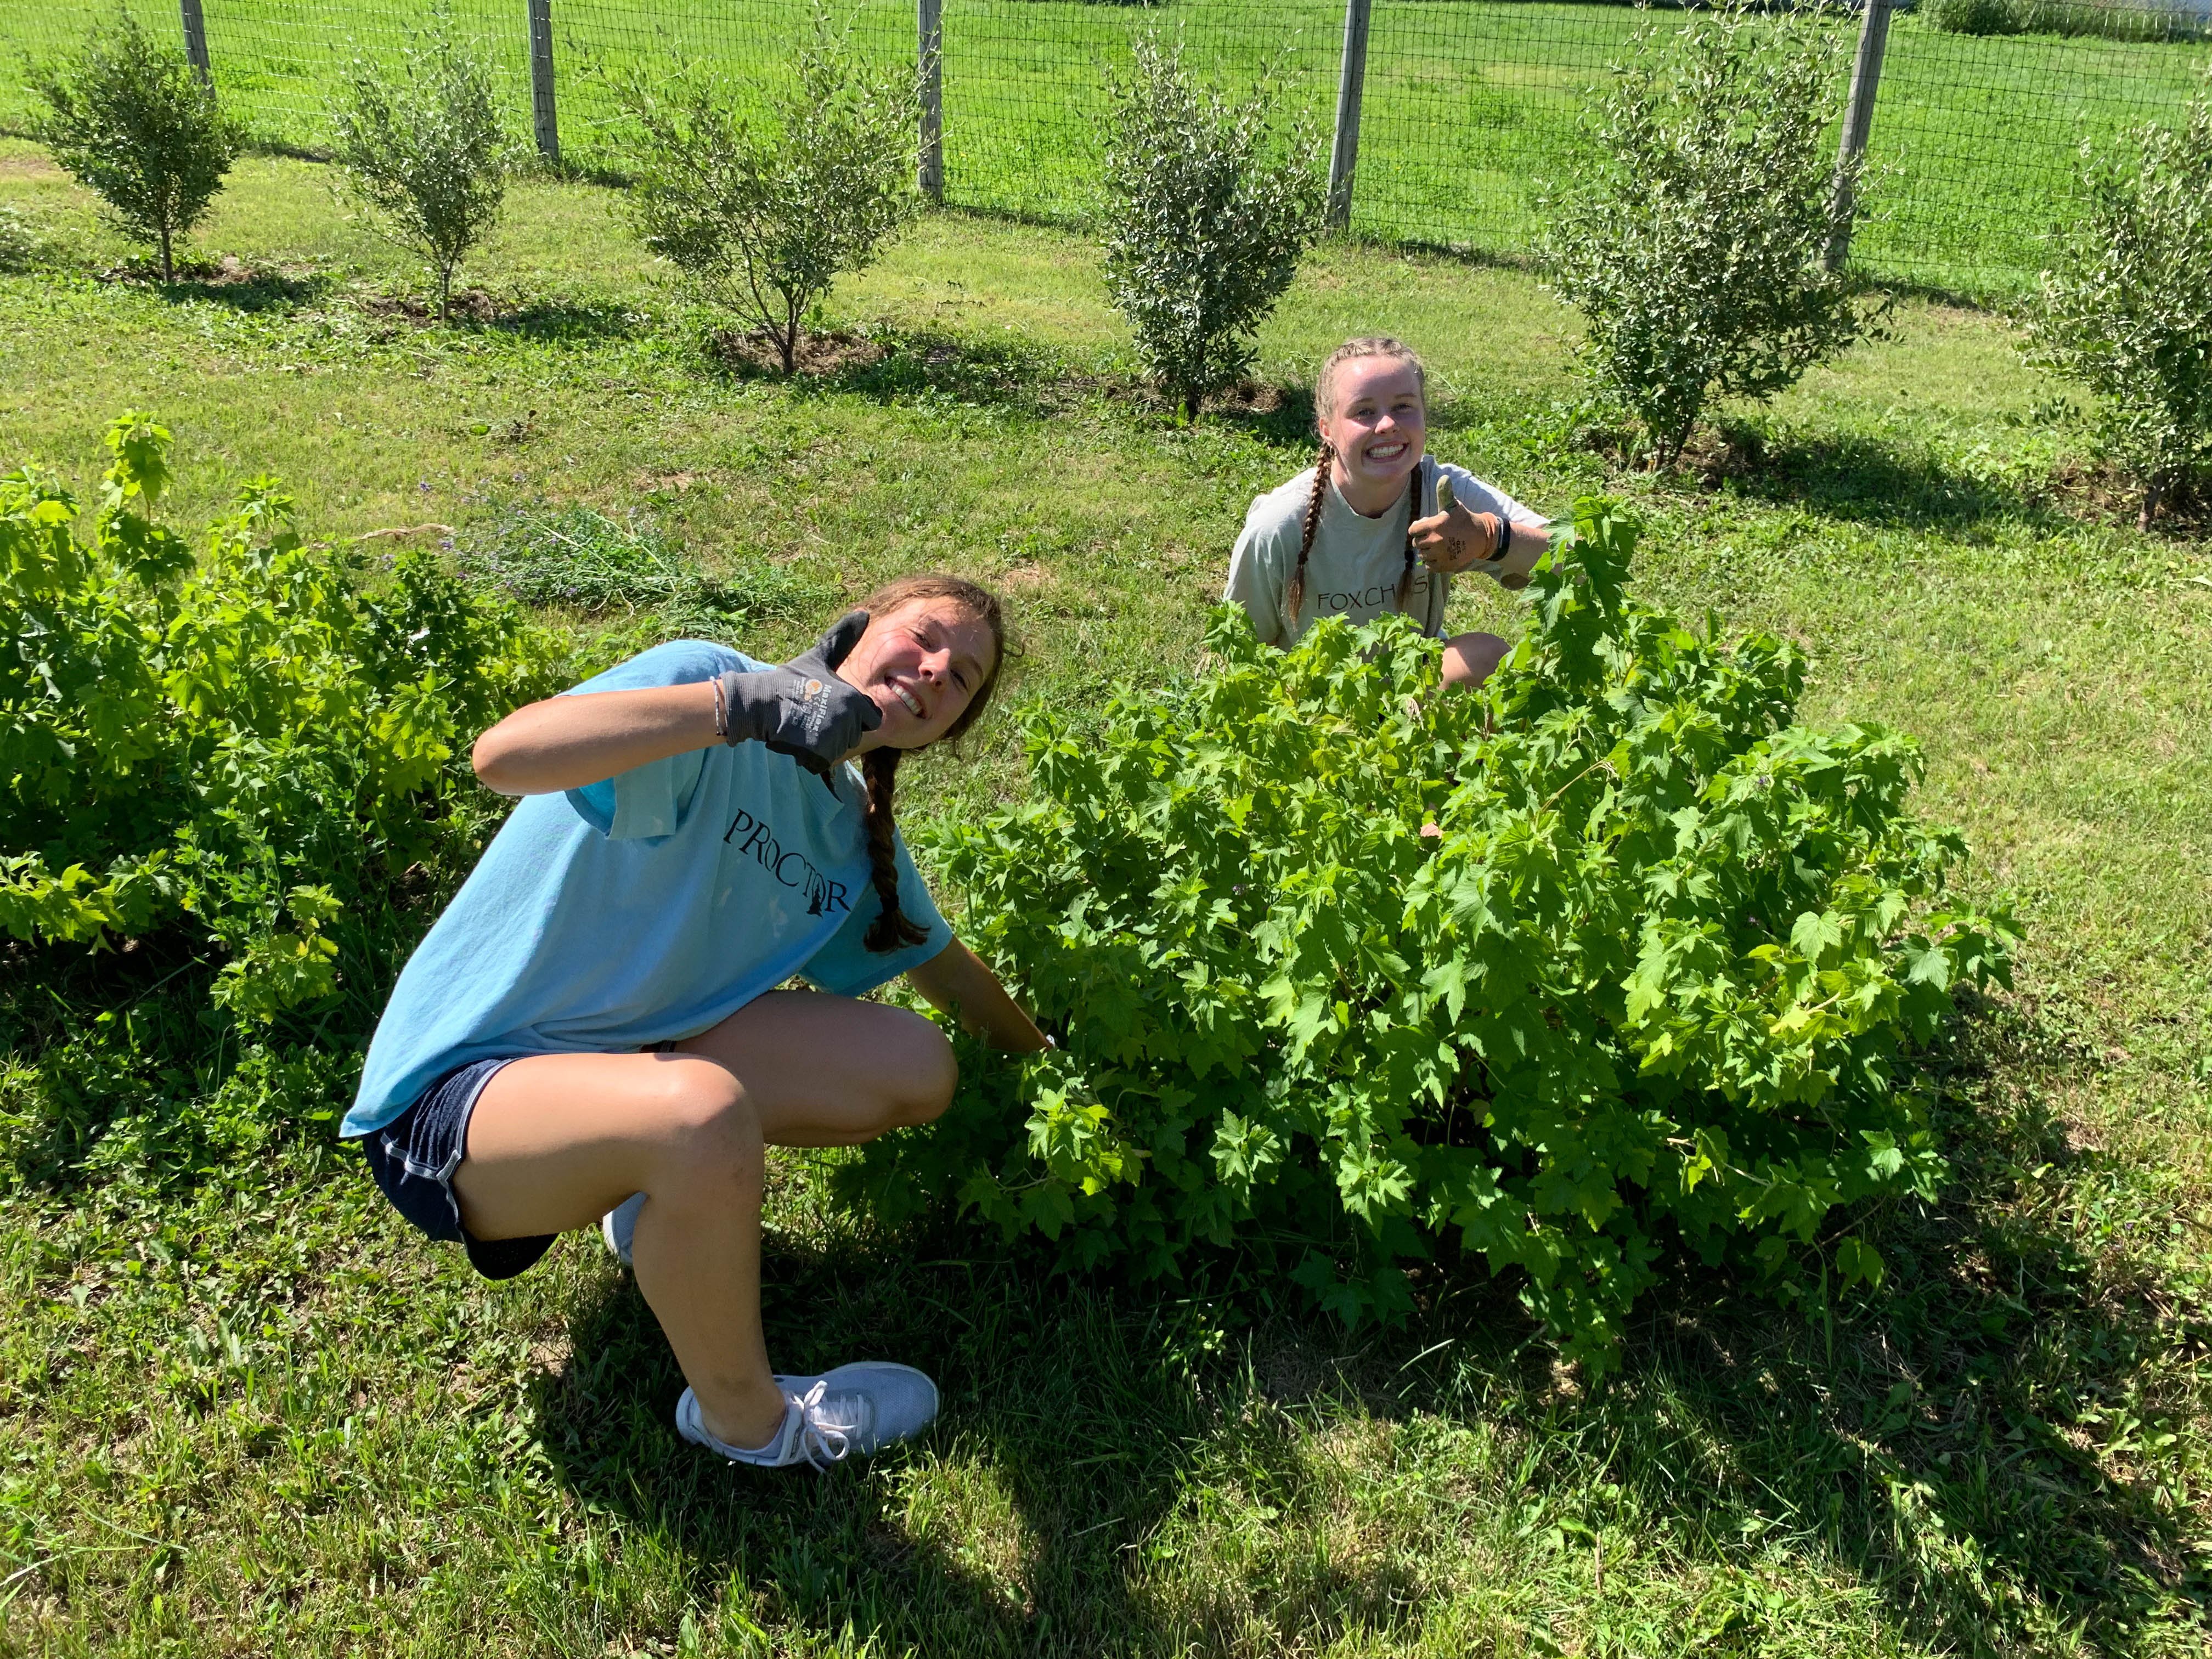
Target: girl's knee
pixel 1470 659
pixel 709 1126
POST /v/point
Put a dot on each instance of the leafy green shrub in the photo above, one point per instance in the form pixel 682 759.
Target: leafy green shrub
pixel 1208 211
pixel 2128 310
pixel 232 765
pixel 2113 20
pixel 1694 238
pixel 1974 17
pixel 425 152
pixel 578 556
pixel 1648 989
pixel 762 221
pixel 130 119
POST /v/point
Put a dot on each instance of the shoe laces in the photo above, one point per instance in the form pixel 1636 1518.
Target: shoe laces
pixel 821 1443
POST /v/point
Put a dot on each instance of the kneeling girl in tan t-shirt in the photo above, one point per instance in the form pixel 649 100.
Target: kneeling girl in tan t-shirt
pixel 1361 533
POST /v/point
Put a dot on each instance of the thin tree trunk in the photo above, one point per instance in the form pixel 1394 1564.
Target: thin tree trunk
pixel 789 339
pixel 2153 492
pixel 445 291
pixel 168 268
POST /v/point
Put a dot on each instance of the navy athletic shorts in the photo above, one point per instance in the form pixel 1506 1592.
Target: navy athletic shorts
pixel 413 1158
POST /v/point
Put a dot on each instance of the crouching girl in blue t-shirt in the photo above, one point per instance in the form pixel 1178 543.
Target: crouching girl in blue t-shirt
pixel 591 1032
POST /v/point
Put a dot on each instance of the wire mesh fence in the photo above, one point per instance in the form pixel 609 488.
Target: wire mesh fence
pixel 1469 106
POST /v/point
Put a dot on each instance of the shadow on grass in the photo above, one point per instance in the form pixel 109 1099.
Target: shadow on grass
pixel 1877 482
pixel 1939 1450
pixel 1069 1413
pixel 1941 1439
pixel 577 323
pixel 244 289
pixel 1012 376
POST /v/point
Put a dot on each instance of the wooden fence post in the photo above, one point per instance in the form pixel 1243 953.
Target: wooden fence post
pixel 1858 121
pixel 929 49
pixel 544 113
pixel 196 40
pixel 1344 156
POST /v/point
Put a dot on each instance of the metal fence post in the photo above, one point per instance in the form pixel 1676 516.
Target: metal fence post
pixel 1858 121
pixel 196 40
pixel 929 49
pixel 545 115
pixel 1344 156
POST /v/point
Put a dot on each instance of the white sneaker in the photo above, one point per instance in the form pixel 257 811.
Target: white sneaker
pixel 618 1224
pixel 854 1410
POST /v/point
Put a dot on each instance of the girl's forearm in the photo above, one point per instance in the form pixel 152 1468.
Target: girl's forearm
pixel 956 982
pixel 565 743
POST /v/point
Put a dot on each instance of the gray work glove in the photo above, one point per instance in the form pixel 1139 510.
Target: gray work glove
pixel 803 709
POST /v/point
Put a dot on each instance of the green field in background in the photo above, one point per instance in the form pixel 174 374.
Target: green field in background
pixel 1470 104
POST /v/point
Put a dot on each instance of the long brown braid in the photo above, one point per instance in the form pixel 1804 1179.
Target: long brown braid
pixel 879 766
pixel 1371 346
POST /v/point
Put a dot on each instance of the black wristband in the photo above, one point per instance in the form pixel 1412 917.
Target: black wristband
pixel 1504 538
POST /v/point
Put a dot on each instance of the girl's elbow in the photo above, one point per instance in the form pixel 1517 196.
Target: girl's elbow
pixel 494 761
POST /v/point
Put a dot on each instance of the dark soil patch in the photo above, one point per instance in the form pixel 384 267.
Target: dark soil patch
pixel 1712 455
pixel 467 305
pixel 821 352
pixel 2100 490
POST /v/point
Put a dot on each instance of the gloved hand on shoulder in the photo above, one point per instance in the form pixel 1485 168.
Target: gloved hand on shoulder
pixel 802 709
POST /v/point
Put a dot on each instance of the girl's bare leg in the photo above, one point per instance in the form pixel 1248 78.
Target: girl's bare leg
pixel 1470 659
pixel 557 1140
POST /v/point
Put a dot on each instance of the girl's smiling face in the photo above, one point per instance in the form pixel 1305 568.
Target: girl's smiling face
pixel 921 664
pixel 1377 420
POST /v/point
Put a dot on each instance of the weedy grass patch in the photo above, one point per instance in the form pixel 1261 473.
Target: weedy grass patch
pixel 577 558
pixel 242 1410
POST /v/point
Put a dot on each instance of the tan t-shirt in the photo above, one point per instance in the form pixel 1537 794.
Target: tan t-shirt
pixel 1353 569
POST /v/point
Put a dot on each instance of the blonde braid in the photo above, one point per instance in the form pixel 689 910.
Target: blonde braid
pixel 1294 596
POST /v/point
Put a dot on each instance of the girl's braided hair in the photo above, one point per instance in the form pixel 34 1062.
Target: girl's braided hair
pixel 1370 345
pixel 894 928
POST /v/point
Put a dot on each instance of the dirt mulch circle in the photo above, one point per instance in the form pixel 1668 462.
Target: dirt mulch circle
pixel 467 305
pixel 2100 490
pixel 828 351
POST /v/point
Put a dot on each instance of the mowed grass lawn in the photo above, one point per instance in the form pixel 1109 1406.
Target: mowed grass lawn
pixel 1470 106
pixel 243 1410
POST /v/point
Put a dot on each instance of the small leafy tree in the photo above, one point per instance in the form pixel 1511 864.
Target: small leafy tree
pixel 2128 311
pixel 1693 239
pixel 762 219
pixel 1209 210
pixel 425 151
pixel 132 120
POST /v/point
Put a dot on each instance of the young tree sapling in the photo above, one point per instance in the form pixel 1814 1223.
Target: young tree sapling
pixel 1209 210
pixel 762 217
pixel 425 151
pixel 130 119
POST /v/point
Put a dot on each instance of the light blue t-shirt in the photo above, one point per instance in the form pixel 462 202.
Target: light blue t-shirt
pixel 648 907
